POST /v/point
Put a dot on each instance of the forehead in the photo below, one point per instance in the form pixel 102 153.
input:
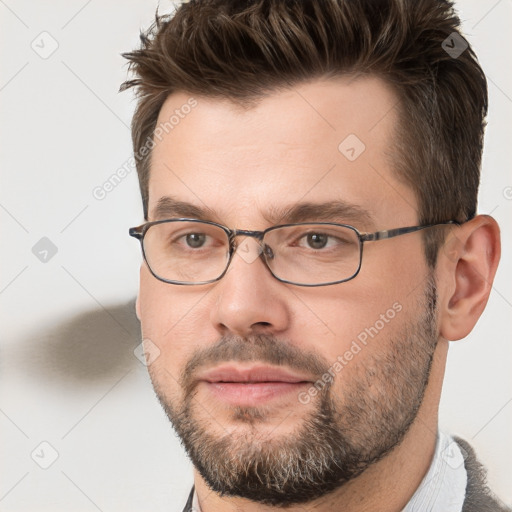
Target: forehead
pixel 327 140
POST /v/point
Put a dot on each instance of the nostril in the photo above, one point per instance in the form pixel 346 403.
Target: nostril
pixel 260 328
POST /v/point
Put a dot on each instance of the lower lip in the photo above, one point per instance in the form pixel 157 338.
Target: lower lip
pixel 254 393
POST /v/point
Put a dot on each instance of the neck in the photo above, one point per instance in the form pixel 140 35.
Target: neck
pixel 386 486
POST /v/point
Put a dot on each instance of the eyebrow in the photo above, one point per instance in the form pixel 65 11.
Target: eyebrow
pixel 337 211
pixel 168 207
pixel 332 211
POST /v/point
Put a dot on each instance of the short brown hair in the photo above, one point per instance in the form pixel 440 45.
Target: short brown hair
pixel 244 49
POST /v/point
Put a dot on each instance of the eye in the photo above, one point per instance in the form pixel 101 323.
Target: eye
pixel 323 241
pixel 317 240
pixel 195 240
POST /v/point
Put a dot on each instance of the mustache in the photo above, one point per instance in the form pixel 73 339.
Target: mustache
pixel 263 348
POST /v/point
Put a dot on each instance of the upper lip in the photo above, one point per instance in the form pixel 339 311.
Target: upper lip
pixel 259 373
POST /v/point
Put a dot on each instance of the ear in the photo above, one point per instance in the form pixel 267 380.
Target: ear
pixel 465 273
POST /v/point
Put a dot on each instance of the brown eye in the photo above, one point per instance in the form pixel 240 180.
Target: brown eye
pixel 317 240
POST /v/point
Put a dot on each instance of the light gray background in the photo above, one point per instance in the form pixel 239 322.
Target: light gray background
pixel 69 376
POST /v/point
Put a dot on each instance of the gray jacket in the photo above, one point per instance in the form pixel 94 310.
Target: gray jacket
pixel 478 496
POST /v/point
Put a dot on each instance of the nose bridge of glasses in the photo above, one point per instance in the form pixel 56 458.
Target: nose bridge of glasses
pixel 250 247
pixel 244 232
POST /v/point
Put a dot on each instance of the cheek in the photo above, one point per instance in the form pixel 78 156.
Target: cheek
pixel 335 314
pixel 394 268
pixel 352 321
pixel 360 356
pixel 154 305
pixel 168 316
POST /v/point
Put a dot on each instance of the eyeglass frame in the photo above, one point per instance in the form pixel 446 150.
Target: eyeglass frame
pixel 139 232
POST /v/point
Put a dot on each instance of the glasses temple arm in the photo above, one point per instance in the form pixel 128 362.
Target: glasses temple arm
pixel 390 233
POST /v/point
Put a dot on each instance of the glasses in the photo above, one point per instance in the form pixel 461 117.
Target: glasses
pixel 193 252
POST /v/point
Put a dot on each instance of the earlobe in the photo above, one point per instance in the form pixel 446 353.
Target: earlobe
pixel 471 262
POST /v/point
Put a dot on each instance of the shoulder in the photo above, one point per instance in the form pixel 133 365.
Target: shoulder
pixel 479 497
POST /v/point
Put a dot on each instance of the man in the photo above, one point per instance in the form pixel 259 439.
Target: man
pixel 309 173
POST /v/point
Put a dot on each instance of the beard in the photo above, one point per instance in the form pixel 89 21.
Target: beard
pixel 345 432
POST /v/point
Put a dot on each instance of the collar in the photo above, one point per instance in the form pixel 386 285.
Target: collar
pixel 443 488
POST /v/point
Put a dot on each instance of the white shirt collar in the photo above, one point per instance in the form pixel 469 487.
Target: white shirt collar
pixel 443 488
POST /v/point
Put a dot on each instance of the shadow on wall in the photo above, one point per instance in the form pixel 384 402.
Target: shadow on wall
pixel 93 346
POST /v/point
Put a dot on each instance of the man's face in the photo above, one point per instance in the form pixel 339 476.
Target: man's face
pixel 239 358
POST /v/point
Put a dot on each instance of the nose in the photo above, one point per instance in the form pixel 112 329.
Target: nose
pixel 248 299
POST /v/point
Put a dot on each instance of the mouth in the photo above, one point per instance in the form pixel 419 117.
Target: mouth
pixel 252 385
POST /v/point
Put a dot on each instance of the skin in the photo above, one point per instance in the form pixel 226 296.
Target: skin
pixel 240 164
